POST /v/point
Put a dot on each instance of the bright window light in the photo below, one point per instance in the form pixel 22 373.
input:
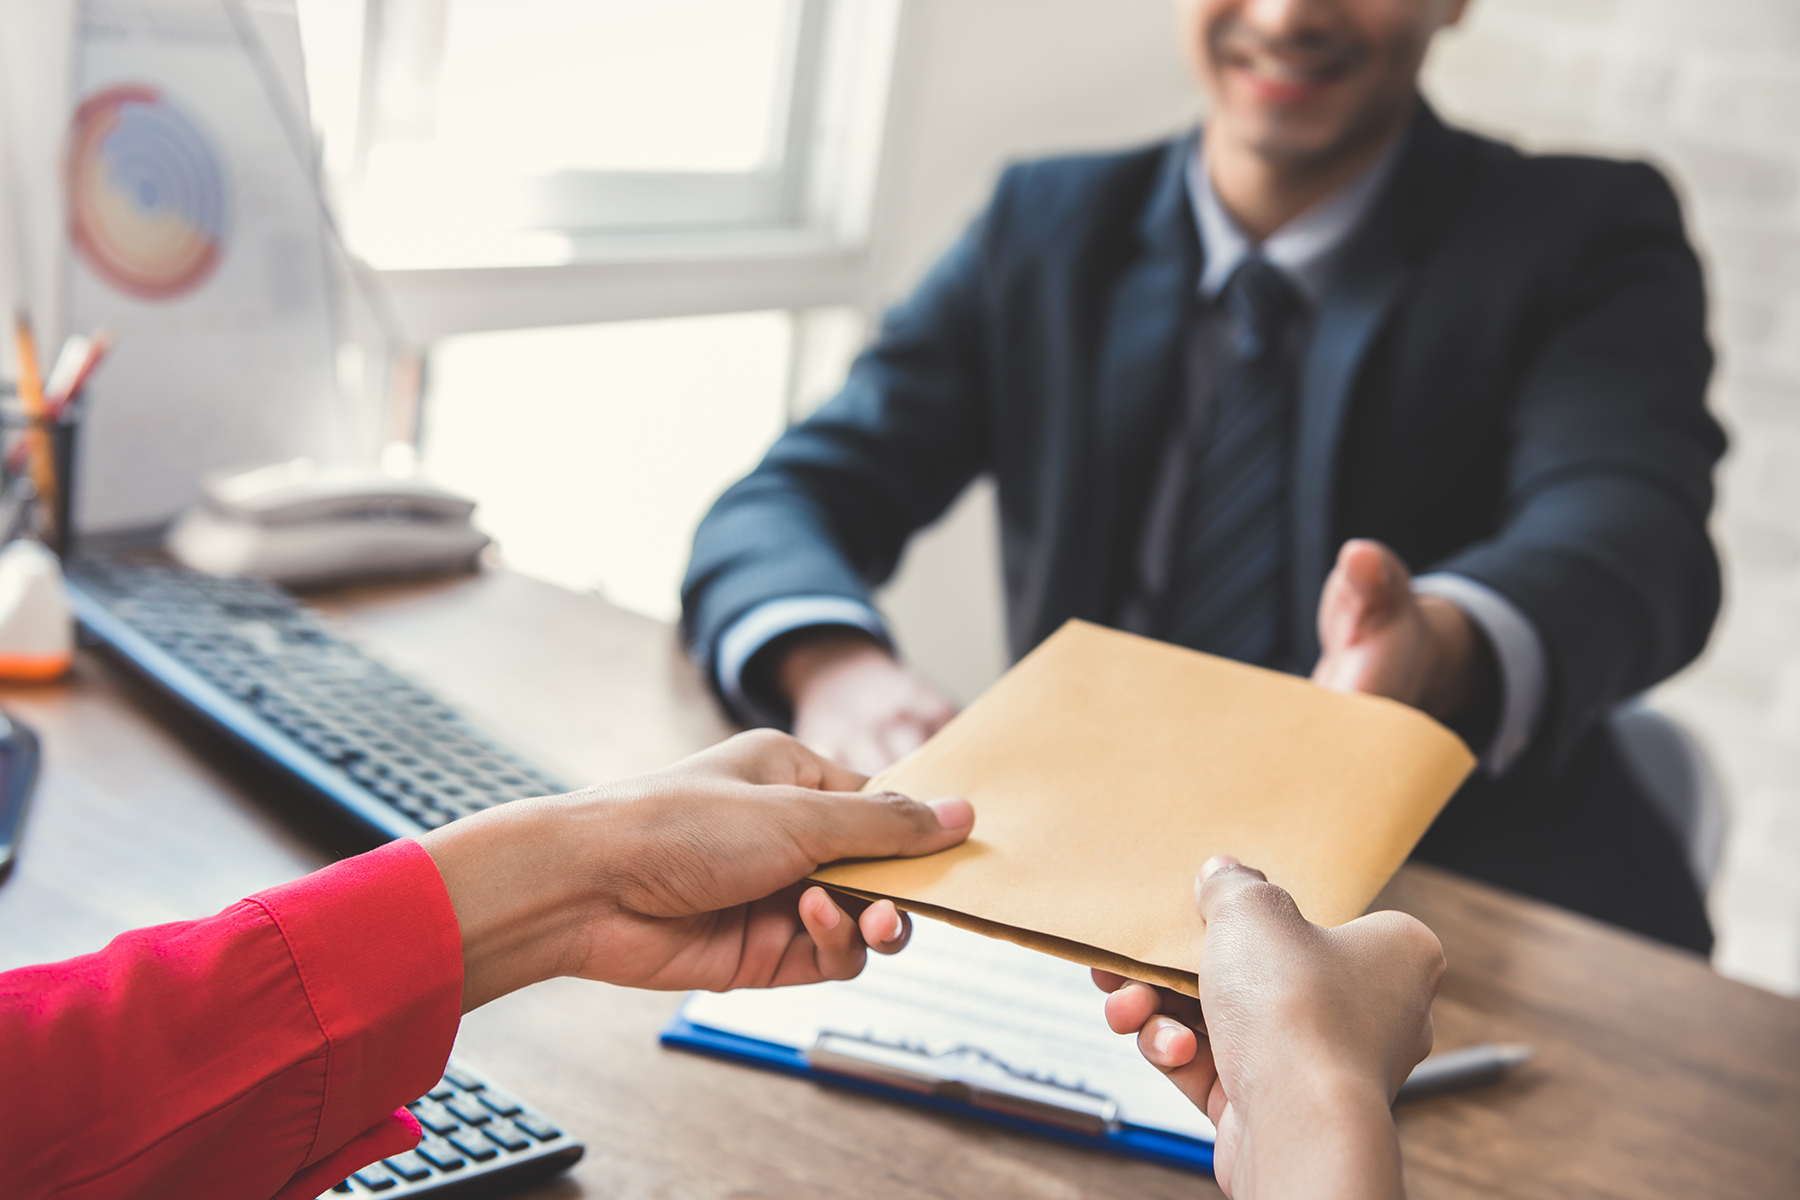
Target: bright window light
pixel 526 132
pixel 538 86
pixel 594 451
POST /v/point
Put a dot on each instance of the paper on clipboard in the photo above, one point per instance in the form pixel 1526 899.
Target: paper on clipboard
pixel 953 996
pixel 1105 768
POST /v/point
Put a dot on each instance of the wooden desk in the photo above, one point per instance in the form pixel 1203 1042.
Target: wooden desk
pixel 1655 1077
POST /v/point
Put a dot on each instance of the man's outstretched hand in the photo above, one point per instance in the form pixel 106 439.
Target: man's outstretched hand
pixel 855 704
pixel 1376 636
pixel 1299 1041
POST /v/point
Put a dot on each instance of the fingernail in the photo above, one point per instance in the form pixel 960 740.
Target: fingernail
pixel 1164 1041
pixel 829 916
pixel 953 812
pixel 1215 864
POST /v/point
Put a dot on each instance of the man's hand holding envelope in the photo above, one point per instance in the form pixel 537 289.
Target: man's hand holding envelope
pixel 1106 768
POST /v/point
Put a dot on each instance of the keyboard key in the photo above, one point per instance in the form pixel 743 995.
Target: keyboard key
pixel 434 1116
pixel 462 1079
pixel 440 1154
pixel 537 1127
pixel 341 1187
pixel 410 1166
pixel 443 1091
pixel 507 1134
pixel 500 1102
pixel 376 1178
pixel 474 1145
pixel 468 1109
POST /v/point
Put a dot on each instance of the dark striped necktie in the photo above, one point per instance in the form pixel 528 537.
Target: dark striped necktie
pixel 1227 589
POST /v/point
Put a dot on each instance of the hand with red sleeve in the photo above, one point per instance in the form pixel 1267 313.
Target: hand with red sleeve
pixel 686 878
pixel 270 1050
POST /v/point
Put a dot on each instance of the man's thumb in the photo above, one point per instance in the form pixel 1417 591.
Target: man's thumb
pixel 1368 585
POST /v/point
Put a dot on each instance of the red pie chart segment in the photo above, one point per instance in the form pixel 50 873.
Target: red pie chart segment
pixel 147 205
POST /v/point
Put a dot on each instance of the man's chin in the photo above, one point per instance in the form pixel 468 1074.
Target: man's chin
pixel 1305 140
pixel 1283 140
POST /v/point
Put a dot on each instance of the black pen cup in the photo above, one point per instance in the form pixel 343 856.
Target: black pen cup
pixel 37 455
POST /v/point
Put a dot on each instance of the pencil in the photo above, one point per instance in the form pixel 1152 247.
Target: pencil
pixel 31 397
pixel 78 360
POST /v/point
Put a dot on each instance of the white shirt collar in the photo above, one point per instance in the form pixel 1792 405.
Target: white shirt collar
pixel 1305 248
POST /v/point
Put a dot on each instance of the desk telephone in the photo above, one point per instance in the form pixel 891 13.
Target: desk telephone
pixel 300 522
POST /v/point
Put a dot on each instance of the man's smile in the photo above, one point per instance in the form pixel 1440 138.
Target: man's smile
pixel 1286 73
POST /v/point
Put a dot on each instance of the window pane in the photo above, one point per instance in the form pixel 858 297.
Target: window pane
pixel 467 133
pixel 536 86
pixel 595 450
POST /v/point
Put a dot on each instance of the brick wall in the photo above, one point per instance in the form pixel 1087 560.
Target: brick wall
pixel 1710 91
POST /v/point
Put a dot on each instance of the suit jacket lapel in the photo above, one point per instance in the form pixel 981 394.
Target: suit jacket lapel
pixel 1356 306
pixel 1139 374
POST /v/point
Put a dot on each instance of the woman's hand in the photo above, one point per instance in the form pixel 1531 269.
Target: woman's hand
pixel 686 878
pixel 1299 1041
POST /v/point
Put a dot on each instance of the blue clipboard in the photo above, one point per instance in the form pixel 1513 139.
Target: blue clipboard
pixel 1132 1141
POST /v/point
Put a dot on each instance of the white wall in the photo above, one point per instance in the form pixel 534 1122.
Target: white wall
pixel 979 83
pixel 36 55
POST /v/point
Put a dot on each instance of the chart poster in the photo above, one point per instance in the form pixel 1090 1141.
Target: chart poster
pixel 195 236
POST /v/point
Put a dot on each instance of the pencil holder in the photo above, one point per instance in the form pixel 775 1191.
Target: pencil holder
pixel 38 472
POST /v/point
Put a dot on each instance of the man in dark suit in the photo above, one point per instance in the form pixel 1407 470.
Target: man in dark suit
pixel 1235 390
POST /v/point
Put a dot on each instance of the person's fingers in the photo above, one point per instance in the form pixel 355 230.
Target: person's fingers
pixel 1368 587
pixel 767 756
pixel 769 946
pixel 1365 570
pixel 884 927
pixel 1106 981
pixel 1167 1044
pixel 828 826
pixel 1185 1058
pixel 1219 862
pixel 901 737
pixel 932 711
pixel 826 774
pixel 1130 1006
pixel 839 949
pixel 1232 889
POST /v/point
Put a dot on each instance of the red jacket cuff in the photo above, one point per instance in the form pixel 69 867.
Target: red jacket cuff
pixel 378 950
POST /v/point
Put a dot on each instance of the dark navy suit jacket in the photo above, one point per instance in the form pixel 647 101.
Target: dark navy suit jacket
pixel 1506 379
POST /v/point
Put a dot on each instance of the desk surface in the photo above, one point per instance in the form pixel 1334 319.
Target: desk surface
pixel 1654 1076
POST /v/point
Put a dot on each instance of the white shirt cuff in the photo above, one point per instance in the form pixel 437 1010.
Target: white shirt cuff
pixel 1519 650
pixel 768 621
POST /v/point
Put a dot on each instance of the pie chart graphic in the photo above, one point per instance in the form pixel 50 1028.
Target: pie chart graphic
pixel 146 193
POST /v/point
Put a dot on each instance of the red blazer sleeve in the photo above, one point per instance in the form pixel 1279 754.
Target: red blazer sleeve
pixel 268 1050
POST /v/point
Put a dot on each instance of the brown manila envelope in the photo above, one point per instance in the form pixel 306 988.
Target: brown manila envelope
pixel 1105 768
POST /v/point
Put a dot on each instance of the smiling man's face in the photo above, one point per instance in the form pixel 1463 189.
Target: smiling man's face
pixel 1307 82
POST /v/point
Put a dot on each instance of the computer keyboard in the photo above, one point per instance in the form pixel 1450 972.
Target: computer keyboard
pixel 479 1141
pixel 253 661
pixel 276 676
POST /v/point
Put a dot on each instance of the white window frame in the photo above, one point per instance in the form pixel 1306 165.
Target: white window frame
pixel 800 245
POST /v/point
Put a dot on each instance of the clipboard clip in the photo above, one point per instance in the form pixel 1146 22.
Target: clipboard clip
pixel 967 1075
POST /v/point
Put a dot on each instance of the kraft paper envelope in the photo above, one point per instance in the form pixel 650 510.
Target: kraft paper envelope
pixel 1105 768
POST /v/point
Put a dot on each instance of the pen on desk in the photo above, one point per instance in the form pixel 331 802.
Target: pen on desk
pixel 1463 1068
